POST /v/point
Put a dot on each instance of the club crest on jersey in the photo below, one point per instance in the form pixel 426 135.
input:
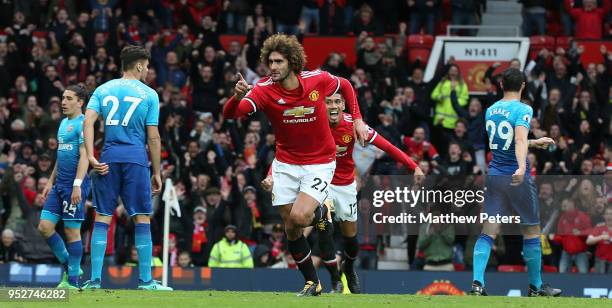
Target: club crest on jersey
pixel 70 128
pixel 526 118
pixel 347 138
pixel 299 112
pixel 314 95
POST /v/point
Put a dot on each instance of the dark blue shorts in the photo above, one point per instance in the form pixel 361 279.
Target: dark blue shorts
pixel 58 205
pixel 131 182
pixel 503 199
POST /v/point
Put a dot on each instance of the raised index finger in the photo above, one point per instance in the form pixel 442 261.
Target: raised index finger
pixel 240 77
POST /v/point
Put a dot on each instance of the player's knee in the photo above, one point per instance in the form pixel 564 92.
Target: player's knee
pixel 293 233
pixel 46 228
pixel 530 231
pixel 348 228
pixel 300 218
pixel 72 234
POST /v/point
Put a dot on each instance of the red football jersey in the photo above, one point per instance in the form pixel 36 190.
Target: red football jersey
pixel 604 248
pixel 299 117
pixel 345 142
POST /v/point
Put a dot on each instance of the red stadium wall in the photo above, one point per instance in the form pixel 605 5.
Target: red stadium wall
pixel 318 48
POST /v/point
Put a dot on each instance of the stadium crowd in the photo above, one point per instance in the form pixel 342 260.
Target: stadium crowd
pixel 216 165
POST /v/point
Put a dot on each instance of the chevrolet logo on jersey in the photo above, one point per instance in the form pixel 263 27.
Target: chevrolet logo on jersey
pixel 299 112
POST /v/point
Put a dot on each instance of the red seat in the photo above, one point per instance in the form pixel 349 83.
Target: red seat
pixel 538 42
pixel 563 42
pixel 40 34
pixel 419 46
pixel 420 40
pixel 543 41
pixel 418 53
pixel 549 269
pixel 459 267
pixel 511 268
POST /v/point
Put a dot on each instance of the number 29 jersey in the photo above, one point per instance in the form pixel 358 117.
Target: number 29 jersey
pixel 127 106
pixel 501 119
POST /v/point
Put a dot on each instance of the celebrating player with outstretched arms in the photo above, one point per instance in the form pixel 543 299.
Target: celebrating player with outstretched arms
pixel 293 101
pixel 343 190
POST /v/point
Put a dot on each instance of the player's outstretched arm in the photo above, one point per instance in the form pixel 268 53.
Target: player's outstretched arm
pixel 236 106
pixel 91 116
pixel 154 142
pixel 80 175
pixel 520 150
pixel 395 153
pixel 540 143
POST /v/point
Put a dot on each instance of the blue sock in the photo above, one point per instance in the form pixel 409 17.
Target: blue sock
pixel 144 247
pixel 482 250
pixel 532 253
pixel 75 253
pixel 58 247
pixel 98 248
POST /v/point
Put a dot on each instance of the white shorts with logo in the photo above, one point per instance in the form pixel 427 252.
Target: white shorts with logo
pixel 290 179
pixel 343 200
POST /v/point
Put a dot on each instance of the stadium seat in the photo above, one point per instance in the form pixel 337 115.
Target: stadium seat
pixel 459 267
pixel 420 40
pixel 511 268
pixel 539 42
pixel 563 42
pixel 419 46
pixel 40 34
pixel 549 269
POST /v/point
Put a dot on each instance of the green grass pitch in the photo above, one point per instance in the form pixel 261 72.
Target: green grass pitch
pixel 192 299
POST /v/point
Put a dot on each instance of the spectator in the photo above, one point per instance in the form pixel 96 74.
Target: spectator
pixel 332 17
pixel 572 229
pixel 230 252
pixel 365 22
pixel 184 260
pixel 10 250
pixel 436 242
pixel 589 18
pixel 600 236
pixel 234 13
pixel 310 15
pixel 423 14
pixel 445 115
pixel 534 17
pixel 287 16
pixel 102 11
pixel 262 257
pixel 464 13
pixel 418 148
pixel 475 127
pixel 201 237
pixel 276 244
